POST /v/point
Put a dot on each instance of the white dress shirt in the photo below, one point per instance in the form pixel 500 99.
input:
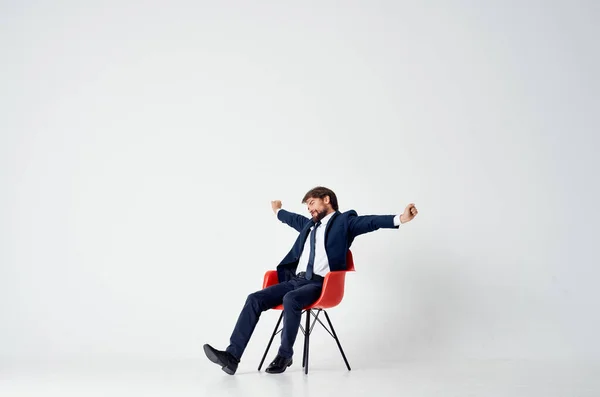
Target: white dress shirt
pixel 321 264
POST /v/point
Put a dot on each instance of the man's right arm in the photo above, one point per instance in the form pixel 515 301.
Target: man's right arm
pixel 294 220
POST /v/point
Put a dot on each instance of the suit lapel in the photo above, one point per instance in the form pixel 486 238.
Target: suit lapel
pixel 329 224
pixel 306 231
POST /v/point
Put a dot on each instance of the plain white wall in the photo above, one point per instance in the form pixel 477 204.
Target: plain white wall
pixel 141 144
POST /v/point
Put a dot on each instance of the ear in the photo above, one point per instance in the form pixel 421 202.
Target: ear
pixel 326 200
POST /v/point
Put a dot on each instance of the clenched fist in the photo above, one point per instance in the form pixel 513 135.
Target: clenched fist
pixel 276 205
pixel 409 213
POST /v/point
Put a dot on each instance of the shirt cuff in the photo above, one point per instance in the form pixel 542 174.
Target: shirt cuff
pixel 397 220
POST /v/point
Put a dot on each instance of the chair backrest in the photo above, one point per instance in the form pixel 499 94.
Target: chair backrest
pixel 349 262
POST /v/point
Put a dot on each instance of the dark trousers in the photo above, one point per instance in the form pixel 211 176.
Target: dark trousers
pixel 295 294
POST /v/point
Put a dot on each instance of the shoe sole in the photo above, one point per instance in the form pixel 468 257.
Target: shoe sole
pixel 213 357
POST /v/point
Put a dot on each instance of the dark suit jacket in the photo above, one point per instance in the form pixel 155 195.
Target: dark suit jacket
pixel 341 230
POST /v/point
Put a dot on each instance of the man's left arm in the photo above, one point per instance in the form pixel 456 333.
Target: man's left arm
pixel 368 223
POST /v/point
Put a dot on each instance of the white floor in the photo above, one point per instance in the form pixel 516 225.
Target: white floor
pixel 506 378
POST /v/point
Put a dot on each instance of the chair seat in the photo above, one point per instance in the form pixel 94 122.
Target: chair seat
pixel 280 307
pixel 331 295
pixel 333 286
pixel 313 306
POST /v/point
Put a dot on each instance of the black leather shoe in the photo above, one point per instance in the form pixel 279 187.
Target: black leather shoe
pixel 279 365
pixel 225 359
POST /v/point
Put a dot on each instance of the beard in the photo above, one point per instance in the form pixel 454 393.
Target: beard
pixel 319 215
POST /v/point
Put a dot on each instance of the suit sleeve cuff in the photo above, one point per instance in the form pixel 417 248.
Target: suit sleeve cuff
pixel 397 220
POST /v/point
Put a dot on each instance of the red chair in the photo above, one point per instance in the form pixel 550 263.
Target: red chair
pixel 331 296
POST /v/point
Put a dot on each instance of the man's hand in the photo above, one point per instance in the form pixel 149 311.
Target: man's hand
pixel 409 213
pixel 275 205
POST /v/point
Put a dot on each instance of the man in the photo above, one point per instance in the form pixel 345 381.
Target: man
pixel 321 247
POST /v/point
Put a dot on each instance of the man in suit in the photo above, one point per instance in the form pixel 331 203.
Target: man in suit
pixel 321 247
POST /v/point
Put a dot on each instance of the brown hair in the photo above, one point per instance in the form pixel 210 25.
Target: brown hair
pixel 321 192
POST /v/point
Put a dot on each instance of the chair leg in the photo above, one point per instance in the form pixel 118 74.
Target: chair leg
pixel 270 341
pixel 306 341
pixel 337 340
pixel 304 348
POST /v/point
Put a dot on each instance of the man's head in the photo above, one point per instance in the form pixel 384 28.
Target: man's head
pixel 321 202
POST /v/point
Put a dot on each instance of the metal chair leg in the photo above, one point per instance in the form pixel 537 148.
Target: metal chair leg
pixel 336 339
pixel 304 346
pixel 270 341
pixel 306 341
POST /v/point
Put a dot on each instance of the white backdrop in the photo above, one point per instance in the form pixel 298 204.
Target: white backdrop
pixel 141 144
